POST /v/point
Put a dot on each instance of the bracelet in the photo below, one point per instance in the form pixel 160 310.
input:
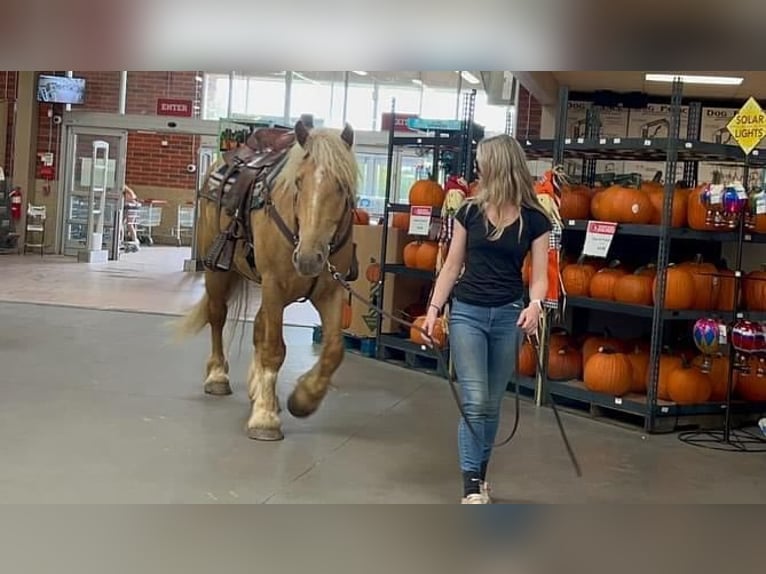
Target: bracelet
pixel 438 309
pixel 538 302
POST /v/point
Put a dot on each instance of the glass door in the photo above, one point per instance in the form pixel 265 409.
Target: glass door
pixel 79 157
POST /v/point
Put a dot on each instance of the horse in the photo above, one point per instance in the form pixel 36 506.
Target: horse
pixel 298 232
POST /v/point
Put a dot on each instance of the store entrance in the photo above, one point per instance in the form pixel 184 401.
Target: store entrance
pixel 76 185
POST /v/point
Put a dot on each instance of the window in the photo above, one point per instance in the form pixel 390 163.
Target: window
pixel 360 110
pixel 319 94
pixel 493 118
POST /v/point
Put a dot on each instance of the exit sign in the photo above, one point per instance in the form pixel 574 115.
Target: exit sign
pixel 173 107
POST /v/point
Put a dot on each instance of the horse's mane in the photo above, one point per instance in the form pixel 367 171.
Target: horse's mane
pixel 328 151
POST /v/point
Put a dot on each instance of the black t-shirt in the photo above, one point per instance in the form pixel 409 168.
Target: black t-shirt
pixel 492 275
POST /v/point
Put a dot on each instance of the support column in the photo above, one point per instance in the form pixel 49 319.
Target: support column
pixel 25 148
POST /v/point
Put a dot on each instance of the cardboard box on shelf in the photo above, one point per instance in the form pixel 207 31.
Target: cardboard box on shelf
pixel 400 291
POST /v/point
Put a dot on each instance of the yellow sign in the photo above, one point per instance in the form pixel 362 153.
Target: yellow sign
pixel 748 127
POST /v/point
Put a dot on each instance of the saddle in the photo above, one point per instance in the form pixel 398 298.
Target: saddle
pixel 243 183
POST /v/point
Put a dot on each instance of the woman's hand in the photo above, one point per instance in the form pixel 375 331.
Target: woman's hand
pixel 431 317
pixel 529 318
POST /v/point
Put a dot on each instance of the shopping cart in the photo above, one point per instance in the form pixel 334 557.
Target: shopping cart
pixel 149 217
pixel 184 222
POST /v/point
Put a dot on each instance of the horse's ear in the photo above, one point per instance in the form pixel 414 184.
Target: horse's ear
pixel 301 133
pixel 347 135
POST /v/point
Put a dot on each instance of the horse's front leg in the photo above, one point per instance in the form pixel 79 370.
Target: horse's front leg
pixel 268 356
pixel 312 385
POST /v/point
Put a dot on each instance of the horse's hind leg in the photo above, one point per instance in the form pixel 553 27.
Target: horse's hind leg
pixel 219 286
pixel 312 386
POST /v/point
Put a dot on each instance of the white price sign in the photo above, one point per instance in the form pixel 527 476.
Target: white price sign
pixel 420 219
pixel 598 238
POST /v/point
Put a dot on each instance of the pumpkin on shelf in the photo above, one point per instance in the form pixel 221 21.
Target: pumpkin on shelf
pixel 527 359
pixel 704 275
pixel 751 386
pixel 687 385
pixel 564 364
pixel 719 375
pixel 594 342
pixel 421 255
pixel 626 205
pixel 599 208
pixel 575 202
pixel 603 282
pixel 639 362
pixel 754 290
pixel 361 217
pixel 679 289
pixel 608 372
pixel 636 288
pixel 426 192
pixel 373 272
pixel 439 335
pixel 697 211
pixel 560 338
pixel 668 364
pixel 401 221
pixel 576 278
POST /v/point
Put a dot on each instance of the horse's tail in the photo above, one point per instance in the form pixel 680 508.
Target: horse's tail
pixel 194 321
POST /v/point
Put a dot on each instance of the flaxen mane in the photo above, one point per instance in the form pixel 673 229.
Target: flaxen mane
pixel 329 152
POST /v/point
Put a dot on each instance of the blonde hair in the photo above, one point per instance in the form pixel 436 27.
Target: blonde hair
pixel 504 178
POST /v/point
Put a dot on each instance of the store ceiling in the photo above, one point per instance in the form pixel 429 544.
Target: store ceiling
pixel 434 79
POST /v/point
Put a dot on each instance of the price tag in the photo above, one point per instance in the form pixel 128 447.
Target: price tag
pixel 617 400
pixel 602 141
pixel 722 334
pixel 760 204
pixel 688 145
pixel 664 410
pixel 567 141
pixel 647 142
pixel 716 194
pixel 598 238
pixel 617 140
pixel 420 219
pixel 580 140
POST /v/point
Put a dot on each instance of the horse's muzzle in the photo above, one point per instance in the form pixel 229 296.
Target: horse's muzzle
pixel 310 263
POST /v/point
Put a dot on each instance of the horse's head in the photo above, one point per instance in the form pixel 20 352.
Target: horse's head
pixel 324 176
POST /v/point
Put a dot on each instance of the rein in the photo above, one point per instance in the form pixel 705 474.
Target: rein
pixel 337 276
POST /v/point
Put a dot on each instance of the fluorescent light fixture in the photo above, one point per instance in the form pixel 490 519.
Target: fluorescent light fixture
pixel 417 81
pixel 360 73
pixel 714 80
pixel 469 77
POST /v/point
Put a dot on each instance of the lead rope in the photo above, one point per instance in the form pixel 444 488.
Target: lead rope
pixel 448 368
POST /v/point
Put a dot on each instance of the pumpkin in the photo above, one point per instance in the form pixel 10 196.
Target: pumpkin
pixel 575 202
pixel 668 364
pixel 679 289
pixel 564 364
pixel 401 221
pixel 639 362
pixel 361 217
pixel 560 338
pixel 754 290
pixel 687 385
pixel 438 336
pixel 599 208
pixel 704 274
pixel 426 256
pixel 527 359
pixel 724 285
pixel 608 372
pixel 696 211
pixel 594 342
pixel 576 278
pixel 635 289
pixel 410 254
pixel 719 375
pixel 372 273
pixel 752 386
pixel 603 282
pixel 346 315
pixel 627 205
pixel 426 192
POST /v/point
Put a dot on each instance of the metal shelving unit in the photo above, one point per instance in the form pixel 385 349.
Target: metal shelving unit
pixel 452 150
pixel 671 150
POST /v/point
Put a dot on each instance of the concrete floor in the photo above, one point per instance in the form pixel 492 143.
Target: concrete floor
pixel 98 406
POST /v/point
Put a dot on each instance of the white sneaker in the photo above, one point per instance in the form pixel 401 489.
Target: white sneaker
pixel 485 490
pixel 475 499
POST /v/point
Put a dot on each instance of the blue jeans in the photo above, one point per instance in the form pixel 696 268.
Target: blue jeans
pixel 484 344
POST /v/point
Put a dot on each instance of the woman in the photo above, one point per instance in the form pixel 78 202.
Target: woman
pixel 493 233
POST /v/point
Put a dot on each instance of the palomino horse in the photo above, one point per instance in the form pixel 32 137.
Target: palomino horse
pixel 300 221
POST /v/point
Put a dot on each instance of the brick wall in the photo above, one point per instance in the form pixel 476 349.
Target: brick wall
pixel 529 115
pixel 8 84
pixel 150 163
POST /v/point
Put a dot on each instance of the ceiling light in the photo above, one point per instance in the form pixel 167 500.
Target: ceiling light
pixel 360 73
pixel 469 77
pixel 417 81
pixel 714 80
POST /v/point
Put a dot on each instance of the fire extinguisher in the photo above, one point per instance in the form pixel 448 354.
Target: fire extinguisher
pixel 16 202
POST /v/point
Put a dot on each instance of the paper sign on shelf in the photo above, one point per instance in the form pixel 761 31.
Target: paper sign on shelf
pixel 598 238
pixel 420 219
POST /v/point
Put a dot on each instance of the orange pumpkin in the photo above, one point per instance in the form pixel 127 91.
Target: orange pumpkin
pixel 426 256
pixel 594 342
pixel 576 279
pixel 361 217
pixel 560 338
pixel 426 192
pixel 410 254
pixel 696 211
pixel 754 290
pixel 687 385
pixel 635 289
pixel 564 364
pixel 679 289
pixel 705 295
pixel 527 360
pixel 372 273
pixel 438 336
pixel 679 207
pixel 668 364
pixel 599 207
pixel 719 375
pixel 626 205
pixel 401 221
pixel 639 361
pixel 724 284
pixel 575 202
pixel 603 282
pixel 609 372
pixel 752 386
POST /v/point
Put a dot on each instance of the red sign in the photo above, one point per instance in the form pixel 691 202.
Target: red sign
pixel 172 107
pixel 401 122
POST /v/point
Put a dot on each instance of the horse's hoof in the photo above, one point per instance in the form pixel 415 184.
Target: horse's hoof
pixel 268 435
pixel 298 410
pixel 218 388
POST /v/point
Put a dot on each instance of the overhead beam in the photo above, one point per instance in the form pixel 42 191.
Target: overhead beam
pixel 542 85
